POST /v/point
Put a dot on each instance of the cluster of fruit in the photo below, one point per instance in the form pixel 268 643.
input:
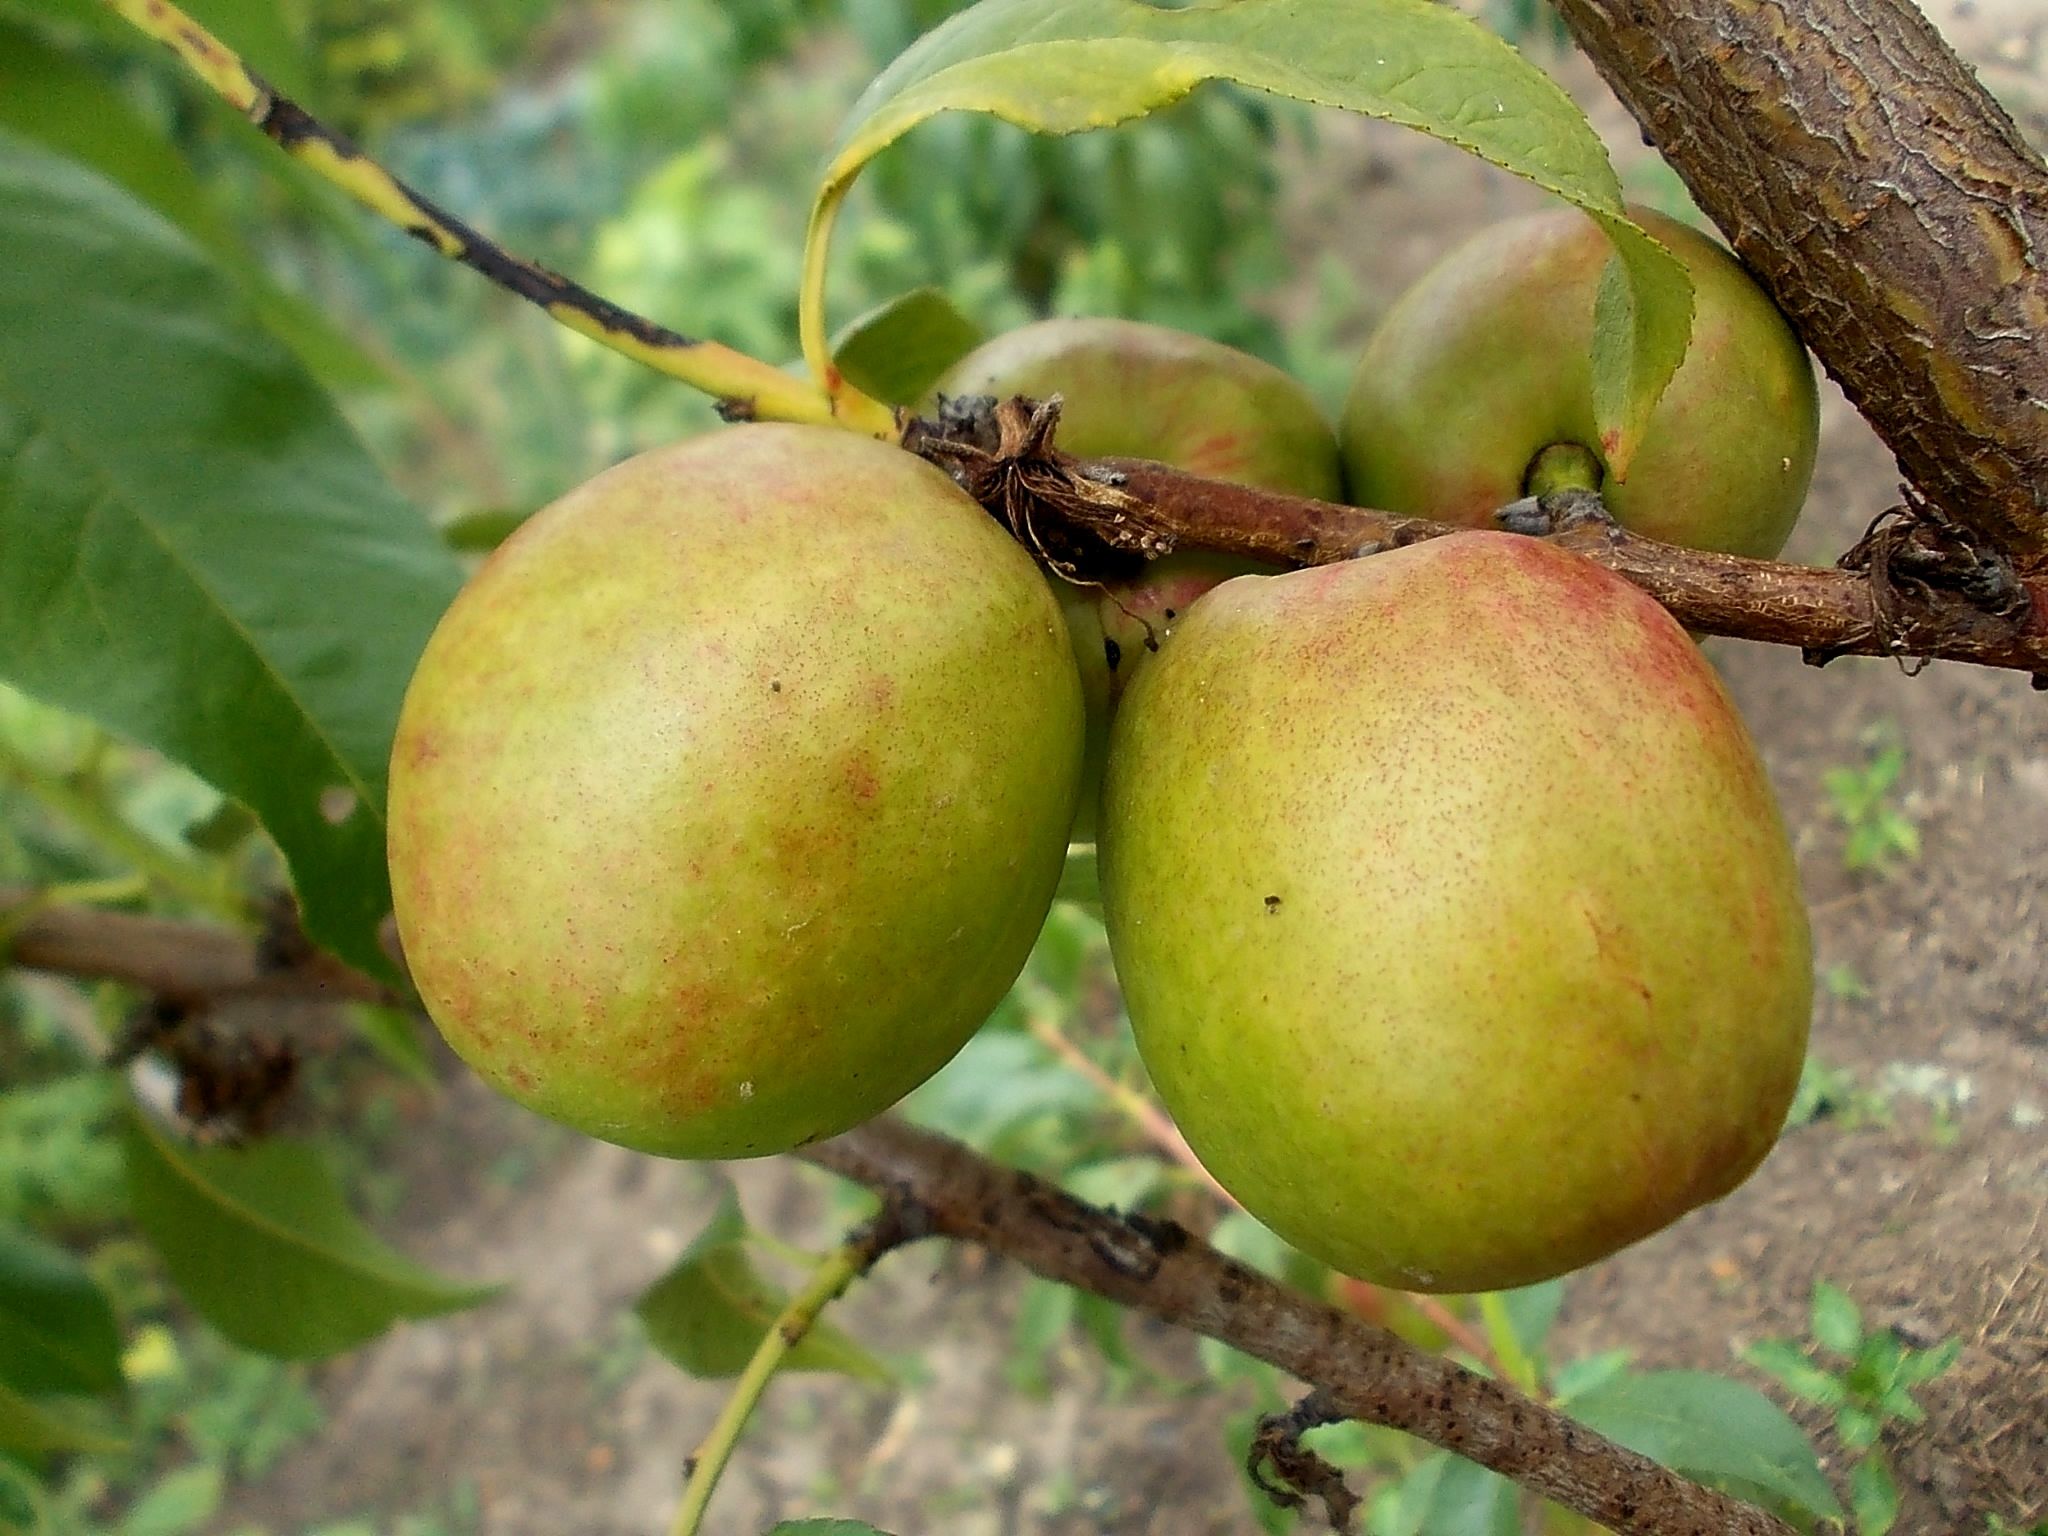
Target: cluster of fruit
pixel 1454 916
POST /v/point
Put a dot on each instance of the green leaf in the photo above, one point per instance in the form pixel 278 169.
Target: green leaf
pixel 1119 1184
pixel 1873 1496
pixel 1837 1325
pixel 57 1332
pixel 1583 1375
pixel 49 95
pixel 825 1528
pixel 199 553
pixel 397 1038
pixel 897 351
pixel 1067 66
pixel 1716 1430
pixel 261 1243
pixel 708 1313
pixel 1533 1311
pixel 182 1502
pixel 1857 1426
pixel 34 1430
pixel 1045 1312
pixel 1923 1365
pixel 1784 1363
pixel 1465 1499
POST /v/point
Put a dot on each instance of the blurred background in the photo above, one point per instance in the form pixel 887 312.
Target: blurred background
pixel 664 153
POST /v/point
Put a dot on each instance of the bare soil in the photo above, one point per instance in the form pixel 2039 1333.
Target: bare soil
pixel 1933 1222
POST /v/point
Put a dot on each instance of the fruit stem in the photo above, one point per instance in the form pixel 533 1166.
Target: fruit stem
pixel 828 1282
pixel 1563 467
pixel 747 387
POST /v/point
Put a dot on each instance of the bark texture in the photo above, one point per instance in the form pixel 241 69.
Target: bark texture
pixel 1890 205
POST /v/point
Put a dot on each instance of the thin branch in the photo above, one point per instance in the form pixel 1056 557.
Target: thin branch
pixel 828 1282
pixel 941 1188
pixel 745 387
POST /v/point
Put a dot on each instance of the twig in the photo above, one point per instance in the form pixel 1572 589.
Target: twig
pixel 1155 1267
pixel 745 387
pixel 828 1282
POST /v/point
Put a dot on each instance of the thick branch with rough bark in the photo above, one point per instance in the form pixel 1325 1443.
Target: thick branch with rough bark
pixel 1156 1267
pixel 1890 205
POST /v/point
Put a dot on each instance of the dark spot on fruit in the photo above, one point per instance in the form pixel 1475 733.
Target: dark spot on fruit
pixel 1272 905
pixel 1151 641
pixel 775 685
pixel 1171 615
pixel 1112 652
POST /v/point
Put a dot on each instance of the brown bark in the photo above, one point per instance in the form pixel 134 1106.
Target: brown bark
pixel 190 963
pixel 1888 203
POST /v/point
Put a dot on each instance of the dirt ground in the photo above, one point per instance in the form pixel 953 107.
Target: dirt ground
pixel 1934 1221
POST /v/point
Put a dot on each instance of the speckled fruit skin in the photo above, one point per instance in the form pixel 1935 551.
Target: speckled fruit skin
pixel 1487 360
pixel 729 796
pixel 1133 390
pixel 1453 911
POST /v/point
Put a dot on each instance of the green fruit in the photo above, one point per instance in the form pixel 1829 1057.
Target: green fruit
pixel 1131 390
pixel 729 796
pixel 1487 361
pixel 1453 911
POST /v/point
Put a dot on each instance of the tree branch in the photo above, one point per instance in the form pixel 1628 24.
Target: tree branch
pixel 1364 1372
pixel 935 1185
pixel 181 962
pixel 1925 589
pixel 1889 204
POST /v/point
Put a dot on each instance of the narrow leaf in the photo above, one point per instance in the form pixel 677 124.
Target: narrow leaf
pixel 57 1332
pixel 1783 1361
pixel 1874 1495
pixel 199 553
pixel 1714 1429
pixel 1066 66
pixel 260 1241
pixel 708 1313
pixel 1837 1324
pixel 825 1528
pixel 899 350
